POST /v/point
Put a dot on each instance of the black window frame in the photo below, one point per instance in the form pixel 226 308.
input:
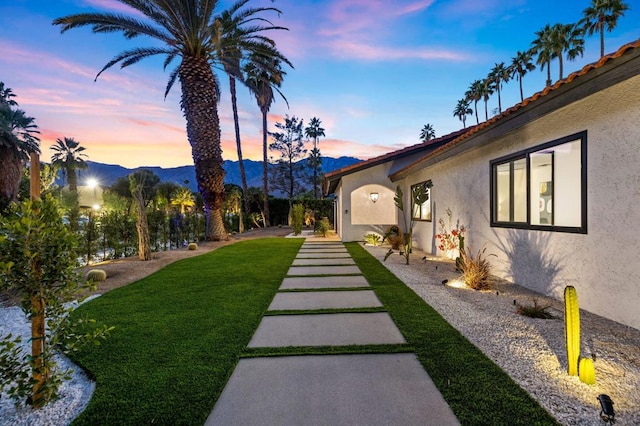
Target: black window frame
pixel 428 185
pixel 526 154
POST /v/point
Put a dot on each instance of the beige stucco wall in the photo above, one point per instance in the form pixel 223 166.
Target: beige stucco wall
pixel 604 264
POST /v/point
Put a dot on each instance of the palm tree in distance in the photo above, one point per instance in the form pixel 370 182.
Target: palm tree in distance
pixel 17 141
pixel 474 93
pixel 499 74
pixel 462 110
pixel 486 90
pixel 262 76
pixel 236 40
pixel 68 157
pixel 520 65
pixel 314 131
pixel 601 15
pixel 184 30
pixel 566 38
pixel 427 133
pixel 542 47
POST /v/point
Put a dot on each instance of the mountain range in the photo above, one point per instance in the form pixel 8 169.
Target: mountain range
pixel 107 174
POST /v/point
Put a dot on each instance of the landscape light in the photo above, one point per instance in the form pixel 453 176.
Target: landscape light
pixel 374 196
pixel 606 413
pixel 92 183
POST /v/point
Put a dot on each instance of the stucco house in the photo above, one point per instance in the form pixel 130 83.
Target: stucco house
pixel 550 185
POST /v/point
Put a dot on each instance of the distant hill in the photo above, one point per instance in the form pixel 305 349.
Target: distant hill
pixel 107 174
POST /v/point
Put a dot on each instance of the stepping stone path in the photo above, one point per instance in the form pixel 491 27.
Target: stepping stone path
pixel 358 389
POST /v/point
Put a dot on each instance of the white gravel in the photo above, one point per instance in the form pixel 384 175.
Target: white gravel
pixel 74 394
pixel 532 351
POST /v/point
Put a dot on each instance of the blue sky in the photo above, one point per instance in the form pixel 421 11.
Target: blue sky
pixel 374 71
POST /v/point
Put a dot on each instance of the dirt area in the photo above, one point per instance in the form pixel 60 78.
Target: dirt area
pixel 125 271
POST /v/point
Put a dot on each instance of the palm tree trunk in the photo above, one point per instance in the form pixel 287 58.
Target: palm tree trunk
pixel 521 93
pixel 499 100
pixel 265 164
pixel 548 73
pixel 476 109
pixel 72 180
pixel 236 122
pixel 601 41
pixel 199 104
pixel 10 170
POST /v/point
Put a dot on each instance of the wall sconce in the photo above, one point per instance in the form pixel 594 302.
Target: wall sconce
pixel 374 196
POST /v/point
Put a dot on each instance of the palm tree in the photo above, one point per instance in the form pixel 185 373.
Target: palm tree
pixel 520 65
pixel 486 90
pixel 68 157
pixel 462 110
pixel 542 47
pixel 601 15
pixel 474 93
pixel 427 133
pixel 499 74
pixel 263 75
pixel 183 198
pixel 235 41
pixel 566 38
pixel 17 141
pixel 313 130
pixel 184 30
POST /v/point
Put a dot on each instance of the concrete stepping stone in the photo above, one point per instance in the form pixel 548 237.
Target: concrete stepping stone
pixel 323 261
pixel 303 283
pixel 323 270
pixel 322 246
pixel 327 250
pixel 371 389
pixel 324 300
pixel 314 255
pixel 326 330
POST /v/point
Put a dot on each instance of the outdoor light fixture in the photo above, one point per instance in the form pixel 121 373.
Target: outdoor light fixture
pixel 607 414
pixel 374 196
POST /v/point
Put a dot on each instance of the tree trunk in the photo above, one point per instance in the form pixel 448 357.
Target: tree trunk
pixel 199 104
pixel 265 165
pixel 10 171
pixel 142 226
pixel 236 122
pixel 39 373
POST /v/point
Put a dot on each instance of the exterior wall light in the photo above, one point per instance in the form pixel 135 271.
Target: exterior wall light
pixel 374 196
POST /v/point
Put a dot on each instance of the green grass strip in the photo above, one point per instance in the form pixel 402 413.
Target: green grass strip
pixel 179 334
pixel 477 390
pixel 327 350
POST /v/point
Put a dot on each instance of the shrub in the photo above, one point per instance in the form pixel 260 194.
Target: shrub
pixel 323 227
pixel 535 311
pixel 192 246
pixel 297 218
pixel 372 239
pixel 394 237
pixel 96 275
pixel 476 272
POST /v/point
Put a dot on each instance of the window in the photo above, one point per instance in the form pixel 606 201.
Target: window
pixel 422 211
pixel 543 187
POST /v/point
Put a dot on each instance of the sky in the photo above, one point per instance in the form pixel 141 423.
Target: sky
pixel 373 71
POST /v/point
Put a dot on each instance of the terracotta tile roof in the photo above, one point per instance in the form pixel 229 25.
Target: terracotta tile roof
pixel 559 84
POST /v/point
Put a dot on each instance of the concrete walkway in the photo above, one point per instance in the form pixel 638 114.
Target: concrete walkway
pixel 359 389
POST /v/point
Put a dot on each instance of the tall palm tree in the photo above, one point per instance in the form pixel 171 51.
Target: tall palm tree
pixel 520 65
pixel 183 30
pixel 566 38
pixel 499 74
pixel 601 15
pixel 263 75
pixel 17 141
pixel 486 91
pixel 542 47
pixel 427 133
pixel 314 131
pixel 68 157
pixel 183 198
pixel 474 93
pixel 462 110
pixel 235 40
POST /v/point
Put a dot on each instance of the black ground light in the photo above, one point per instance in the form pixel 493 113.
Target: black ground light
pixel 607 414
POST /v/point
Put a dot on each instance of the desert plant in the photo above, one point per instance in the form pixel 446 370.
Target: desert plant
pixel 96 275
pixel 419 196
pixel 572 329
pixel 192 246
pixel 372 239
pixel 476 271
pixel 323 227
pixel 394 237
pixel 535 310
pixel 297 218
pixel 450 239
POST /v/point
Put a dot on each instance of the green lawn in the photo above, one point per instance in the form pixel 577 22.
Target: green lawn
pixel 180 332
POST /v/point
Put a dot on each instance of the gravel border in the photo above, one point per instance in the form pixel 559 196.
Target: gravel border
pixel 532 351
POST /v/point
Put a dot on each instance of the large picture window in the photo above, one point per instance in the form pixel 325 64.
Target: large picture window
pixel 543 187
pixel 422 211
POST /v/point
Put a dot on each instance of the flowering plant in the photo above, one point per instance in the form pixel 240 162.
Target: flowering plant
pixel 450 238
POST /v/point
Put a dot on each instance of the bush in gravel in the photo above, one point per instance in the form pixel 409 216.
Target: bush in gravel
pixel 476 271
pixel 535 310
pixel 192 246
pixel 96 275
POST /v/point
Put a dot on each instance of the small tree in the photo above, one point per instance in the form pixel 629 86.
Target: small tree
pixel 419 195
pixel 142 185
pixel 297 218
pixel 38 258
